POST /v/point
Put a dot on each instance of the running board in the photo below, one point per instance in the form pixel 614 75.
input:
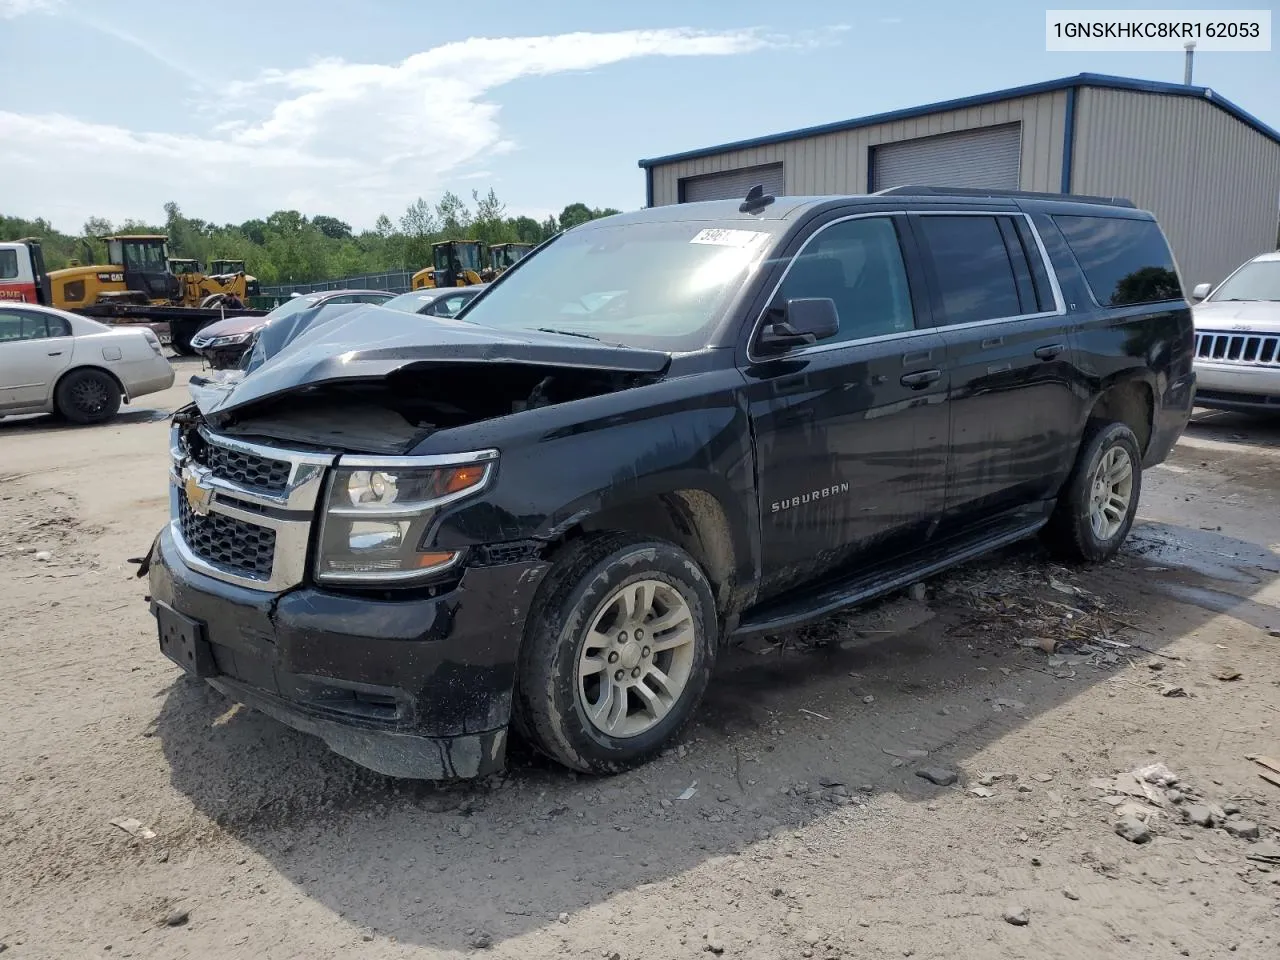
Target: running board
pixel 786 615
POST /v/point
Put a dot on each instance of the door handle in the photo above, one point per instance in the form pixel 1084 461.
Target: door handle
pixel 1050 351
pixel 55 353
pixel 921 378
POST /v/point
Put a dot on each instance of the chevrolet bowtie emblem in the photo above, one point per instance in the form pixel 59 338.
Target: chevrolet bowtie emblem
pixel 198 496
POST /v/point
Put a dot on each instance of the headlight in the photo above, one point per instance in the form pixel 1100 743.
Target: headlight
pixel 228 340
pixel 378 513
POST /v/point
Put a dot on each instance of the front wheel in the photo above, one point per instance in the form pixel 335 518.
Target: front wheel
pixel 617 652
pixel 1096 507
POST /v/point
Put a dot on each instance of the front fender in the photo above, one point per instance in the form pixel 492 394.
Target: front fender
pixel 549 483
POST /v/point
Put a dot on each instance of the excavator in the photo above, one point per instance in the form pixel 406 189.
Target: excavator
pixel 454 263
pixel 502 257
pixel 138 284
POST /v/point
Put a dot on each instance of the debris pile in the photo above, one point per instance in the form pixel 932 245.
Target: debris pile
pixel 1143 798
pixel 1038 608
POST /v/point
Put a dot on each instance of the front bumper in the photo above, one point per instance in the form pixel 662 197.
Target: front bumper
pixel 418 688
pixel 1235 386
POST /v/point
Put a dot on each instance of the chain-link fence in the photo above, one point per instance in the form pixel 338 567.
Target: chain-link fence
pixel 397 281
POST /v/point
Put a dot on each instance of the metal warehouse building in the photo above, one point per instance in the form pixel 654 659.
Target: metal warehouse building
pixel 1207 169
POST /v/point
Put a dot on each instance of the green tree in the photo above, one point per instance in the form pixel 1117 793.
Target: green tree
pixel 286 246
pixel 455 219
pixel 332 227
pixel 418 231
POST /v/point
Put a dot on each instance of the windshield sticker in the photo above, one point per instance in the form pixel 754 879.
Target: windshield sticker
pixel 729 238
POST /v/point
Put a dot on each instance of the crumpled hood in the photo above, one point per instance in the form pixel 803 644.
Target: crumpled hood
pixel 370 342
pixel 1243 316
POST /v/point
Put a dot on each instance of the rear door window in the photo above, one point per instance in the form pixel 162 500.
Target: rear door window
pixel 19 325
pixel 1124 261
pixel 972 269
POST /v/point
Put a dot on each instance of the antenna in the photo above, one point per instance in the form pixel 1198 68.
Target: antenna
pixel 756 200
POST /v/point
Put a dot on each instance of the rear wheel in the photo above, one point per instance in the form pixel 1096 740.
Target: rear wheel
pixel 87 396
pixel 1097 506
pixel 617 652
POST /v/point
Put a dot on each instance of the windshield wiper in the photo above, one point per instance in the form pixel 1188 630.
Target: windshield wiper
pixel 566 333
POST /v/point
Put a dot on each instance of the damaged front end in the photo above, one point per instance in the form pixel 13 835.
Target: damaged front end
pixel 300 572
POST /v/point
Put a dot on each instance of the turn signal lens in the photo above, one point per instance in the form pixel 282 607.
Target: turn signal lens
pixel 463 478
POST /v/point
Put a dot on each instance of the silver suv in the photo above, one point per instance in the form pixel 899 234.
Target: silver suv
pixel 1238 338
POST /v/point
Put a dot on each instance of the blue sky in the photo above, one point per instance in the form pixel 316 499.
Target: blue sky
pixel 357 108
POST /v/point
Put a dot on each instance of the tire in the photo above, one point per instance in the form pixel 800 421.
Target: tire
pixel 1076 531
pixel 587 588
pixel 87 396
pixel 182 348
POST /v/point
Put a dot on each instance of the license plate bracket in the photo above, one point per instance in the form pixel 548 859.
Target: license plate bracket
pixel 182 641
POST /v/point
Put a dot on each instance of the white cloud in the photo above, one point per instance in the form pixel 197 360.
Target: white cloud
pixel 350 139
pixel 10 9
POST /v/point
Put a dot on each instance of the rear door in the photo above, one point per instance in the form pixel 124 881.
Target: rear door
pixel 34 349
pixel 851 432
pixel 1014 412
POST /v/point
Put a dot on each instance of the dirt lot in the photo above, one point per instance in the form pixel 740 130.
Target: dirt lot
pixel 806 831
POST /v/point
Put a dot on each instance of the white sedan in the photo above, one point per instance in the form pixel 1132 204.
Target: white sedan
pixel 52 361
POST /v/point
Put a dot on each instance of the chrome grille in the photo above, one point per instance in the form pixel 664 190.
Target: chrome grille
pixel 1259 349
pixel 245 468
pixel 228 542
pixel 253 507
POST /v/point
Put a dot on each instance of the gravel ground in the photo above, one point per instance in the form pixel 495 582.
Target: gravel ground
pixel 793 821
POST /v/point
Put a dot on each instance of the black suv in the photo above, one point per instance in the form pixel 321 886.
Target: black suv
pixel 659 431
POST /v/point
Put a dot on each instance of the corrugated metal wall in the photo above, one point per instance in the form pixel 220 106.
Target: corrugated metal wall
pixel 837 162
pixel 1213 183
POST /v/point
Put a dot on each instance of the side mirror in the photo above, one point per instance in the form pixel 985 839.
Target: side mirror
pixel 1201 291
pixel 799 322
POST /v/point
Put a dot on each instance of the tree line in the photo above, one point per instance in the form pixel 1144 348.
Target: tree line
pixel 288 247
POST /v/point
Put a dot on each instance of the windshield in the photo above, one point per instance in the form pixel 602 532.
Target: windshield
pixel 457 257
pixel 660 285
pixel 1259 280
pixel 146 256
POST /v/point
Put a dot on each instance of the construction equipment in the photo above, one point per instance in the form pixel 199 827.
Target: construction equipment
pixel 455 263
pixel 223 268
pixel 503 256
pixel 138 285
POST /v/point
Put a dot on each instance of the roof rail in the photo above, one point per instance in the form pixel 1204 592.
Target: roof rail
pixel 926 191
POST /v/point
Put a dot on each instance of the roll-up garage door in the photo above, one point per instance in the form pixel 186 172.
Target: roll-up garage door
pixel 732 184
pixel 987 158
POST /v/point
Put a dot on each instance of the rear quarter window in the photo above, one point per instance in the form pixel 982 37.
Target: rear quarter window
pixel 1125 261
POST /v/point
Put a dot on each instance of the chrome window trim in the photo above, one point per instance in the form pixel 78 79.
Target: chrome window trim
pixel 1060 307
